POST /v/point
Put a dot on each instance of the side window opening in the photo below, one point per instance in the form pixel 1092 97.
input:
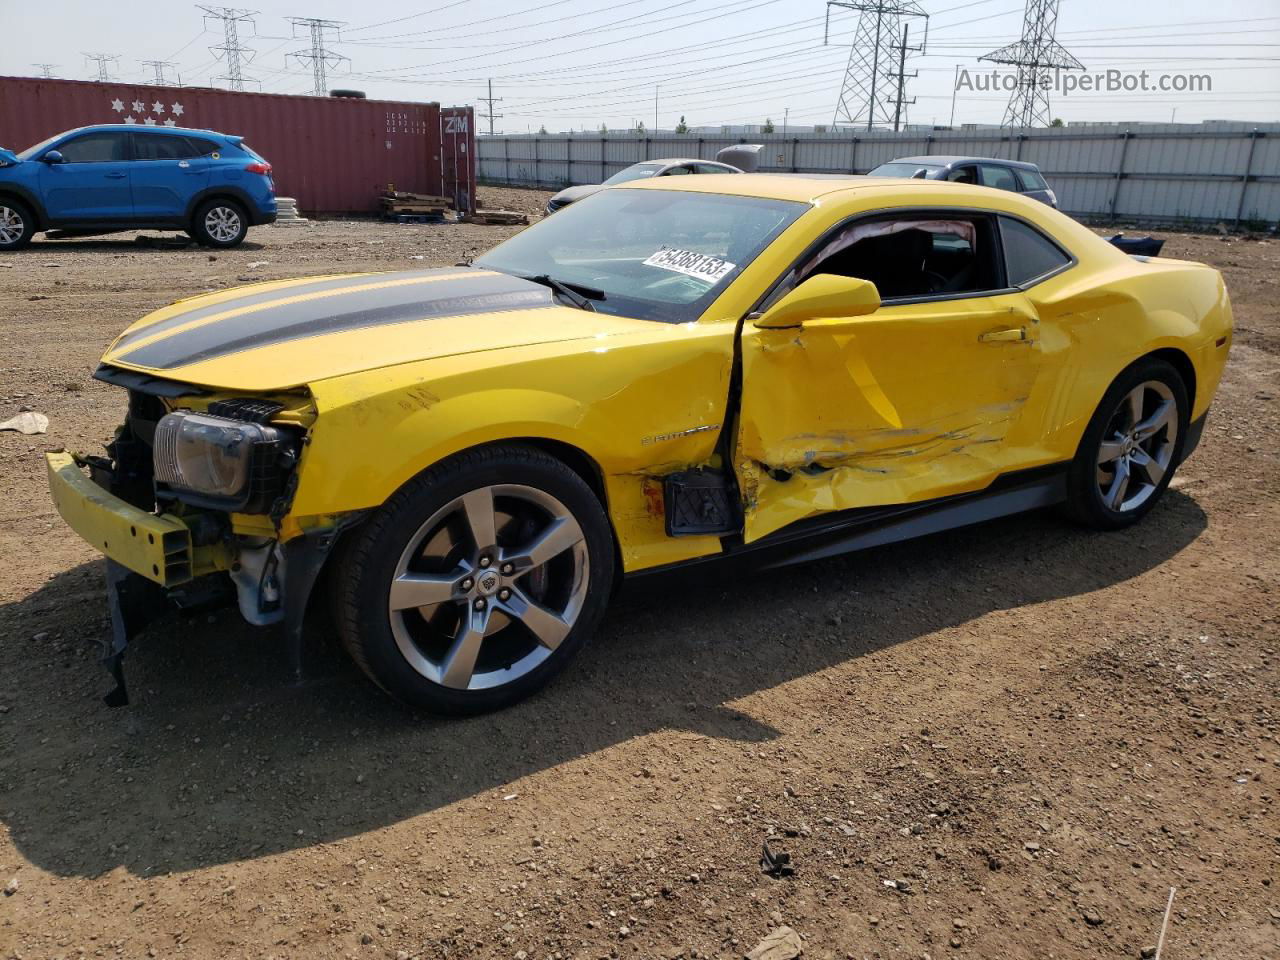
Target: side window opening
pixel 160 146
pixel 96 148
pixel 678 171
pixel 1030 180
pixel 999 177
pixel 964 175
pixel 913 257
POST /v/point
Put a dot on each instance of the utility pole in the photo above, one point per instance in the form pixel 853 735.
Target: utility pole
pixel 46 69
pixel 320 57
pixel 102 60
pixel 786 112
pixel 490 115
pixel 1035 55
pixel 232 51
pixel 158 66
pixel 655 109
pixel 872 92
pixel 902 78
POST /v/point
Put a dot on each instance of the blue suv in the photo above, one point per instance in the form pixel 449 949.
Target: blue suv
pixel 114 177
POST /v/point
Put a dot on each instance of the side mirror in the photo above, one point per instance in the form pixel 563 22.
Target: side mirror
pixel 53 156
pixel 824 297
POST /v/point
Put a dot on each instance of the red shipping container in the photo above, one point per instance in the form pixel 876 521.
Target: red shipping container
pixel 334 155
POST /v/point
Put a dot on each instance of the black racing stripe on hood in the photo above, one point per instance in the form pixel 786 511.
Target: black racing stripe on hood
pixel 295 321
pixel 264 298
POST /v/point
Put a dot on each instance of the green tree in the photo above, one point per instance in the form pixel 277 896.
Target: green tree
pixel 682 127
pixel 542 130
pixel 639 126
pixel 1057 122
pixel 604 128
pixel 768 126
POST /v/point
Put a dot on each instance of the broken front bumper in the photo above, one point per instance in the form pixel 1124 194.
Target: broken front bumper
pixel 158 548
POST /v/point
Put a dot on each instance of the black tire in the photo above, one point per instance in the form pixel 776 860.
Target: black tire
pixel 225 210
pixel 369 562
pixel 17 223
pixel 1087 501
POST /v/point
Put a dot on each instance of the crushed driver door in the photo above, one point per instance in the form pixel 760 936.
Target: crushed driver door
pixel 912 402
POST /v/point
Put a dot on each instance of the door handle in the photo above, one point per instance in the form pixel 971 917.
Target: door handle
pixel 116 176
pixel 1012 335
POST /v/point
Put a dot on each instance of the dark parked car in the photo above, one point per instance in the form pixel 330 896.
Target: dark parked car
pixel 1012 175
pixel 115 177
pixel 639 171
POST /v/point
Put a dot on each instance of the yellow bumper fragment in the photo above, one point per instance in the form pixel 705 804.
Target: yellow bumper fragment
pixel 157 547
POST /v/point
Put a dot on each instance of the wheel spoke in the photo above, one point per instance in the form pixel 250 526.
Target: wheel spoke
pixel 1115 496
pixel 477 507
pixel 549 628
pixel 1110 450
pixel 1149 427
pixel 559 536
pixel 1149 464
pixel 1134 404
pixel 460 662
pixel 421 590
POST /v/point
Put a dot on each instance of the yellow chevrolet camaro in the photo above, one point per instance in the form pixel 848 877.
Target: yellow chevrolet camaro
pixel 466 461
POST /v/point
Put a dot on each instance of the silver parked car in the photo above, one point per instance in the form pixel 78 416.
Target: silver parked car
pixel 1015 175
pixel 639 171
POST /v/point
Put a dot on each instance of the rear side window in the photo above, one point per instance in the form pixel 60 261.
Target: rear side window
pixel 96 148
pixel 1028 254
pixel 963 175
pixel 159 146
pixel 678 172
pixel 999 177
pixel 1031 179
pixel 202 147
pixel 709 168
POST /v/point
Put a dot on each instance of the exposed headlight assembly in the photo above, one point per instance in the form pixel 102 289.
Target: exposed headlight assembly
pixel 219 462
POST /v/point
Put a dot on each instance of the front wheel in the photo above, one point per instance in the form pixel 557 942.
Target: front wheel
pixel 220 223
pixel 1131 447
pixel 476 583
pixel 17 225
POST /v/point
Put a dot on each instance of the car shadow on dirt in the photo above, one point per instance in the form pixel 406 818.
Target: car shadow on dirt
pixel 116 244
pixel 219 759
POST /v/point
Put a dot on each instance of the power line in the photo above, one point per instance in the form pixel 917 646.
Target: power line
pixel 232 51
pixel 320 57
pixel 490 100
pixel 158 66
pixel 103 60
pixel 1034 55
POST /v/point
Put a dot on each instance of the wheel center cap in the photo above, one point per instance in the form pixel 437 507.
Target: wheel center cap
pixel 487 583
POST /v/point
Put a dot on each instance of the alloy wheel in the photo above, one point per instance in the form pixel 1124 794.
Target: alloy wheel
pixel 222 223
pixel 1138 446
pixel 489 587
pixel 11 225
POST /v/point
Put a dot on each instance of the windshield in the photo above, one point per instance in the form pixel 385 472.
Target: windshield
pixel 637 171
pixel 899 169
pixel 654 254
pixel 30 152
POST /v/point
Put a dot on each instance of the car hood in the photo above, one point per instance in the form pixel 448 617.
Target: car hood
pixel 271 336
pixel 574 194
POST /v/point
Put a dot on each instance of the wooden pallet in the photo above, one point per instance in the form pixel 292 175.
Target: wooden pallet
pixel 504 218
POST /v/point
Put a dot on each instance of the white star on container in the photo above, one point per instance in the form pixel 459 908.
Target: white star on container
pixel 171 122
pixel 139 107
pixel 130 120
pixel 117 106
pixel 150 121
pixel 177 109
pixel 158 107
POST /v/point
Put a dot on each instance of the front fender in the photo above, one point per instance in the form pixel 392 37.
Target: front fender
pixel 638 411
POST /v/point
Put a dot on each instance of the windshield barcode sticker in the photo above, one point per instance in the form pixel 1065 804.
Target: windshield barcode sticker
pixel 700 266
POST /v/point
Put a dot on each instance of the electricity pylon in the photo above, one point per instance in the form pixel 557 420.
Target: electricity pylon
pixel 1035 56
pixel 232 52
pixel 320 57
pixel 874 86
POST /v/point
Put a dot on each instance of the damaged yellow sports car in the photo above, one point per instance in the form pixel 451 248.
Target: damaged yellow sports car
pixel 465 462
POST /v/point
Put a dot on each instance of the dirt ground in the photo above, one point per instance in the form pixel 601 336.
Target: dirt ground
pixel 1006 741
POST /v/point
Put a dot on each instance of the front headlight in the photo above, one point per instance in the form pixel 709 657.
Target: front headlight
pixel 216 461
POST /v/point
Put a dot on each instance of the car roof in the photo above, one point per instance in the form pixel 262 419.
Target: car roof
pixel 805 188
pixel 140 128
pixel 940 160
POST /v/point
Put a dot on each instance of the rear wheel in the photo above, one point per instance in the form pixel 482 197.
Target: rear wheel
pixel 475 584
pixel 17 225
pixel 1131 447
pixel 220 223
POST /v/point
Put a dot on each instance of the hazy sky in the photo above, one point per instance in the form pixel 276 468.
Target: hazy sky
pixel 580 63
